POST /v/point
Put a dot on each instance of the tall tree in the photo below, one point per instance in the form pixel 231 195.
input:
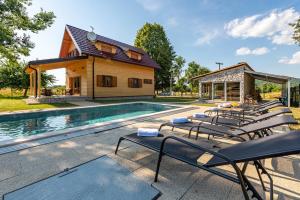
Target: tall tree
pixel 296 35
pixel 153 39
pixel 194 69
pixel 177 66
pixel 15 24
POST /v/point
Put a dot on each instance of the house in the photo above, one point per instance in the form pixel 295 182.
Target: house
pixel 237 83
pixel 97 67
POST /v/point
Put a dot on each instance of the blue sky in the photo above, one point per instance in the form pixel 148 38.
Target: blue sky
pixel 205 31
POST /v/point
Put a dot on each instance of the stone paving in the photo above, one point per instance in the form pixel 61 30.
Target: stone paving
pixel 176 181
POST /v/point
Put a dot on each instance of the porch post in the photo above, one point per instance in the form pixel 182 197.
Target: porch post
pixel 212 90
pixel 39 86
pixel 30 84
pixel 200 89
pixel 225 91
pixel 289 93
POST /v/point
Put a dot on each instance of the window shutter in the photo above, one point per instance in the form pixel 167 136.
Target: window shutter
pixel 130 82
pixel 140 83
pixel 99 80
pixel 114 81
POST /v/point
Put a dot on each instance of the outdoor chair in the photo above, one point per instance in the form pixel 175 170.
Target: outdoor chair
pixel 241 113
pixel 232 120
pixel 277 145
pixel 260 128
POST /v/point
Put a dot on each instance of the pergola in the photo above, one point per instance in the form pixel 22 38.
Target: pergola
pixel 287 82
pixel 35 68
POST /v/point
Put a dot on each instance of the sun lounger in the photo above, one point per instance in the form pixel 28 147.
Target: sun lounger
pixel 237 121
pixel 268 147
pixel 259 129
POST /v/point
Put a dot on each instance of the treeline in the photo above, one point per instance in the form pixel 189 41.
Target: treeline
pixel 174 73
pixel 266 87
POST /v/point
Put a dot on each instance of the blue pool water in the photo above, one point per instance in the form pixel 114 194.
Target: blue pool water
pixel 37 123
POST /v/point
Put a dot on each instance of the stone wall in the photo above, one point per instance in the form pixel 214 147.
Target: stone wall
pixel 230 75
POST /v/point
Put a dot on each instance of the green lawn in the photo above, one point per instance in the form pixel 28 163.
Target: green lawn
pixel 296 114
pixel 16 103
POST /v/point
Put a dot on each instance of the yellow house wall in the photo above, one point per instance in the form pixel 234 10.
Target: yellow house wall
pixel 122 71
pixel 78 69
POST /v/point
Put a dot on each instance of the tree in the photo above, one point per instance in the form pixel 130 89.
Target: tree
pixel 15 24
pixel 296 35
pixel 177 66
pixel 13 76
pixel 194 69
pixel 181 86
pixel 153 40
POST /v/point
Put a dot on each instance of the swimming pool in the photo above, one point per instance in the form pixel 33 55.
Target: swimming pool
pixel 33 123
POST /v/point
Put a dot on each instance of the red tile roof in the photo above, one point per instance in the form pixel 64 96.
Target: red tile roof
pixel 88 48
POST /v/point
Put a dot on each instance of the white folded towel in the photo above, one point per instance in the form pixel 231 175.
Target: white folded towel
pixel 226 105
pixel 200 115
pixel 147 132
pixel 179 120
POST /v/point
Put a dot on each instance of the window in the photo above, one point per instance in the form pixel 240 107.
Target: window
pixel 134 55
pixel 106 48
pixel 219 91
pixel 206 90
pixel 233 91
pixel 134 83
pixel 106 81
pixel 147 81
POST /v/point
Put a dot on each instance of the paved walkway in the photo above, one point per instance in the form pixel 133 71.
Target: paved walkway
pixel 83 103
pixel 176 181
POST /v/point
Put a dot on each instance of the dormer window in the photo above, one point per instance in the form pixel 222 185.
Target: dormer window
pixel 134 55
pixel 106 48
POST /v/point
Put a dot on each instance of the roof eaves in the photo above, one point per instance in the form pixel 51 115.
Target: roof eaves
pixel 73 39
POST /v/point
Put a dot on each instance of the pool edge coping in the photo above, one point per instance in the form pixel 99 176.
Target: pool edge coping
pixel 22 140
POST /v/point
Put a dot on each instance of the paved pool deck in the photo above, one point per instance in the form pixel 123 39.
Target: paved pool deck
pixel 176 181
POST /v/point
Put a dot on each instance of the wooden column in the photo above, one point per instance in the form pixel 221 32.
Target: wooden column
pixel 39 81
pixel 212 90
pixel 225 91
pixel 289 93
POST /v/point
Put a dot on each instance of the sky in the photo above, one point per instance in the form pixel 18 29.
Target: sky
pixel 205 31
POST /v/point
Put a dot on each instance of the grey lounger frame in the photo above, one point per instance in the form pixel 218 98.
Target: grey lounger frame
pixel 274 146
pixel 259 129
pixel 236 121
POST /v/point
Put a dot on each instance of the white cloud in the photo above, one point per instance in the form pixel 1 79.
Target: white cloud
pixel 151 5
pixel 246 51
pixel 206 38
pixel 294 60
pixel 274 26
pixel 172 21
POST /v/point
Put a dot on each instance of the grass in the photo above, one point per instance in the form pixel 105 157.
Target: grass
pixel 296 114
pixel 16 103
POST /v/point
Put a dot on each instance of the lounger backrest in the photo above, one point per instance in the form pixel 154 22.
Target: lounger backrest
pixel 263 109
pixel 268 147
pixel 266 124
pixel 273 113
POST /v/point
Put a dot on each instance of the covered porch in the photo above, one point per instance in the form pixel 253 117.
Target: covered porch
pixel 290 86
pixel 76 76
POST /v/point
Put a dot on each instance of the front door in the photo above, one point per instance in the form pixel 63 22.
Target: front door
pixel 76 85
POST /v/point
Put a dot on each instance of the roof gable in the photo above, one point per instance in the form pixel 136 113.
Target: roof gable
pixel 239 65
pixel 80 40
